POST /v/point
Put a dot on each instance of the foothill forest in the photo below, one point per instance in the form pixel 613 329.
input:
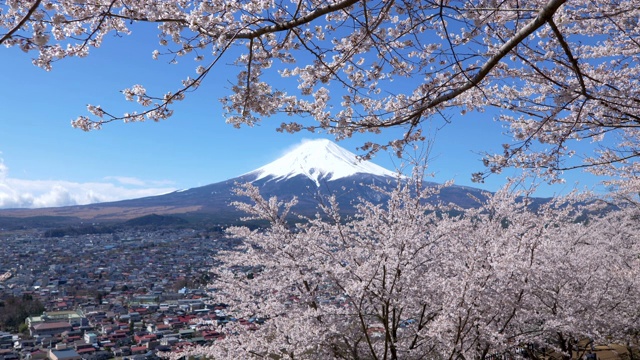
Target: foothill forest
pixel 322 254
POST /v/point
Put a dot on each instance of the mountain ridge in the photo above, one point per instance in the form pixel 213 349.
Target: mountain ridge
pixel 310 171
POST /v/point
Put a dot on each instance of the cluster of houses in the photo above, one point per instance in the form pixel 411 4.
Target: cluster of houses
pixel 126 295
pixel 139 333
pixel 102 263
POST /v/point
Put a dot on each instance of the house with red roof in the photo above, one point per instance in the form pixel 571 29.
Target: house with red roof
pixel 139 350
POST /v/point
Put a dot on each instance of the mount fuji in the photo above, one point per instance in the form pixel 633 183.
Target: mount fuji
pixel 318 160
pixel 310 171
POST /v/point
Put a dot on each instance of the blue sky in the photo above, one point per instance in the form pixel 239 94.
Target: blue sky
pixel 45 162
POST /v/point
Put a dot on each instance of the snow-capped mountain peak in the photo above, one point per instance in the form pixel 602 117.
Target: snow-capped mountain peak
pixel 318 159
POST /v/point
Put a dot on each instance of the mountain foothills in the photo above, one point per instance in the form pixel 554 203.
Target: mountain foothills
pixel 311 172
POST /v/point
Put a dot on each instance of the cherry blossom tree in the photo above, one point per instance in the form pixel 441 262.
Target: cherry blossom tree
pixel 410 280
pixel 556 71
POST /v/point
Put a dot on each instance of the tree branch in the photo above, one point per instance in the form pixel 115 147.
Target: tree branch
pixel 288 25
pixel 572 60
pixel 545 14
pixel 26 18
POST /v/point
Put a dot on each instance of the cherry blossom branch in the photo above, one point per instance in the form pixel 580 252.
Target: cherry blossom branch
pixel 572 60
pixel 158 112
pixel 292 24
pixel 24 20
pixel 103 17
pixel 546 13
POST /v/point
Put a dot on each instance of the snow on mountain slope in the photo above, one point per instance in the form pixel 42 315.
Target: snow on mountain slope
pixel 318 159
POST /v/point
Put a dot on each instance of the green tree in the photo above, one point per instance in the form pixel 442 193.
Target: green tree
pixel 14 311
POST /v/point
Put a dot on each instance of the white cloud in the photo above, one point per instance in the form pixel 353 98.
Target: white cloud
pixel 125 180
pixel 20 193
